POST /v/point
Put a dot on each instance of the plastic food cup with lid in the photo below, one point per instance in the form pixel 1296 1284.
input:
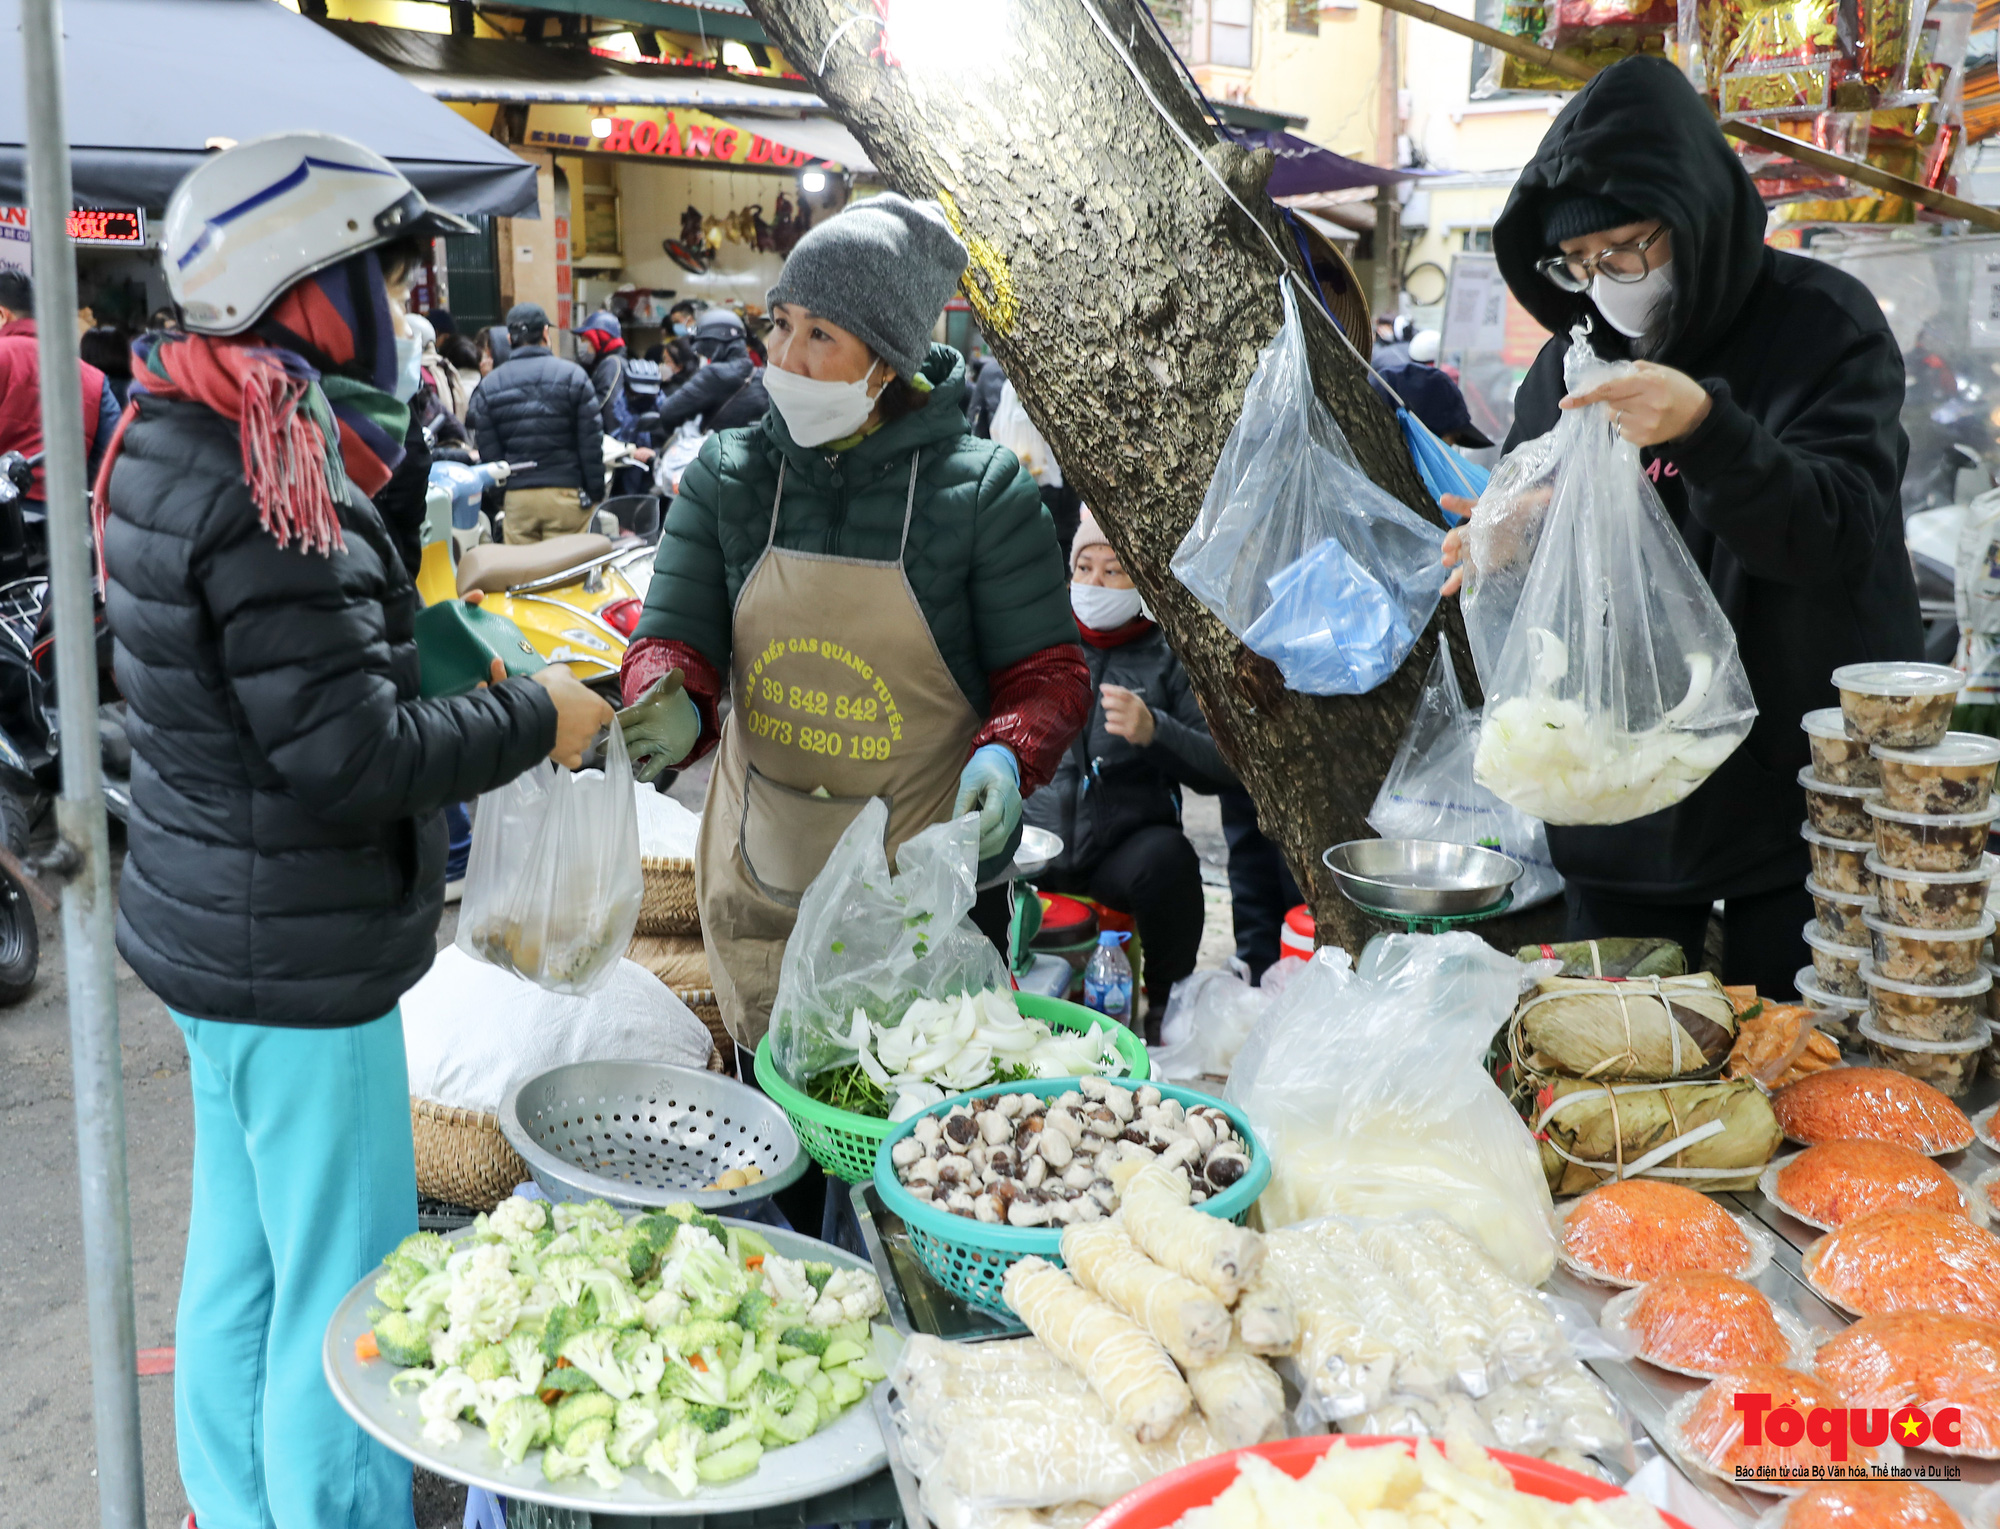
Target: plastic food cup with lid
pixel 1839 812
pixel 1911 1011
pixel 1841 864
pixel 1836 758
pixel 1928 841
pixel 1932 899
pixel 1836 967
pixel 1950 1067
pixel 1898 705
pixel 1837 1015
pixel 1840 914
pixel 1928 957
pixel 1953 776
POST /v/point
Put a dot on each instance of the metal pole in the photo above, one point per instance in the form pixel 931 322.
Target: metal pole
pixel 84 855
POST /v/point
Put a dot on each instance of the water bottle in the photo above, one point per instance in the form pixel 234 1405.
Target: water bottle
pixel 1107 979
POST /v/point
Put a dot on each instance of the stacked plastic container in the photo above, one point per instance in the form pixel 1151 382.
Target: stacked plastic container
pixel 1898 811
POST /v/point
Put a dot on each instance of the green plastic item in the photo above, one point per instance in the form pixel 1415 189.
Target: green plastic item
pixel 844 1143
pixel 457 643
pixel 971 1258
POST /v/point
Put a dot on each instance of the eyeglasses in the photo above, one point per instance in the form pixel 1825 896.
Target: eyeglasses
pixel 1621 263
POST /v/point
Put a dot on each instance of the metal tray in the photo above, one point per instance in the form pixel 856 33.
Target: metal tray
pixel 916 1302
pixel 1421 878
pixel 847 1452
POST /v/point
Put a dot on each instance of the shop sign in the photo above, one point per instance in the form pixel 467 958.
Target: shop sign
pixel 677 134
pixel 114 226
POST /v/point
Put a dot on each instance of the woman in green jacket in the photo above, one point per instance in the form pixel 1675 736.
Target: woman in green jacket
pixel 882 589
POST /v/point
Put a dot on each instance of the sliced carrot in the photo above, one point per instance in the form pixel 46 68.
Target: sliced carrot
pixel 564 1364
pixel 365 1349
pixel 696 1361
pixel 754 1261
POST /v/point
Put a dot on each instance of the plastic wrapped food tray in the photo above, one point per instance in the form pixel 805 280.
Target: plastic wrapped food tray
pixel 1621 1312
pixel 1920 1260
pixel 1759 1241
pixel 1922 1359
pixel 1712 1410
pixel 1885 1156
pixel 1845 1103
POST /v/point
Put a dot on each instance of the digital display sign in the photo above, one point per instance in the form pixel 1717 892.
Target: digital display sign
pixel 108 225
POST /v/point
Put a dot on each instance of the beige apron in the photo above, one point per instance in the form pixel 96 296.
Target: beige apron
pixel 839 694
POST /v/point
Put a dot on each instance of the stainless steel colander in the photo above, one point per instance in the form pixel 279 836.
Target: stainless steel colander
pixel 642 1134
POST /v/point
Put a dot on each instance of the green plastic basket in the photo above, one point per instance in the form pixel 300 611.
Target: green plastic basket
pixel 971 1258
pixel 845 1144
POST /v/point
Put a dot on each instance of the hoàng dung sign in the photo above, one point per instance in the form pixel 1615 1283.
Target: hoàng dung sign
pixel 680 134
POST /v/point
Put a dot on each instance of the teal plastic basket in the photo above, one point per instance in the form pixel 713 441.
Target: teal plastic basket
pixel 971 1258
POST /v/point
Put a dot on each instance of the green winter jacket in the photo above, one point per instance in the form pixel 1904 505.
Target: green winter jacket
pixel 983 557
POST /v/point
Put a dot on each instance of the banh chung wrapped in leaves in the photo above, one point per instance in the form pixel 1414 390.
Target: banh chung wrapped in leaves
pixel 1840 1181
pixel 1908 1260
pixel 1636 1230
pixel 1702 1324
pixel 1624 957
pixel 1873 1104
pixel 1621 1030
pixel 1594 1132
pixel 1922 1359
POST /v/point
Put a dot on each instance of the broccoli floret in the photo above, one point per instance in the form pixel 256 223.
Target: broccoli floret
pixel 487 1362
pixel 709 1419
pixel 518 1425
pixel 750 1310
pixel 707 1223
pixel 568 1380
pixel 403 1340
pixel 686 1338
pixel 563 1324
pixel 637 1424
pixel 807 1340
pixel 774 1391
pixel 585 1453
pixel 819 1274
pixel 426 1248
pixel 575 1410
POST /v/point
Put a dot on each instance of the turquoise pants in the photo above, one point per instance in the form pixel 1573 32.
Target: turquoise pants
pixel 304 1177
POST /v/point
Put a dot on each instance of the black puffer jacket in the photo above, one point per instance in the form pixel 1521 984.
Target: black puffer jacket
pixel 540 408
pixel 287 849
pixel 1106 788
pixel 1788 494
pixel 724 394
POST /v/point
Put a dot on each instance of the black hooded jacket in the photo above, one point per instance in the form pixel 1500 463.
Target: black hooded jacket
pixel 725 394
pixel 1787 493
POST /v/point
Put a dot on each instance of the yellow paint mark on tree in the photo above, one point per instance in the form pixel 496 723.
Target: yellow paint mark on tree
pixel 993 299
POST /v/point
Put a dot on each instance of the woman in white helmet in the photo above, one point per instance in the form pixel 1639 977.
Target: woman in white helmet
pixel 286 866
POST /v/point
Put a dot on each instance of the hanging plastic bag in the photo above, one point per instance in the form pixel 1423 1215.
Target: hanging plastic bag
pixel 1430 792
pixel 1013 429
pixel 868 940
pixel 1368 1089
pixel 1209 1017
pixel 1613 684
pixel 1442 468
pixel 1976 593
pixel 1296 550
pixel 552 887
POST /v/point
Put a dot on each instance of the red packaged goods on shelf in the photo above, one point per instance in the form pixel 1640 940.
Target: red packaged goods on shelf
pixel 1841 1181
pixel 1706 1324
pixel 1718 1435
pixel 1600 21
pixel 1927 1360
pixel 1871 1104
pixel 1635 1230
pixel 1908 1260
pixel 1869 1505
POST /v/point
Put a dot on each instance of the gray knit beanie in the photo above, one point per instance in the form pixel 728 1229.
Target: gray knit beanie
pixel 883 269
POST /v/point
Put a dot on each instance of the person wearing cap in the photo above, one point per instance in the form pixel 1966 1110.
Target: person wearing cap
pixel 726 391
pixel 600 351
pixel 1763 398
pixel 285 872
pixel 1115 798
pixel 1429 393
pixel 542 409
pixel 1392 340
pixel 880 591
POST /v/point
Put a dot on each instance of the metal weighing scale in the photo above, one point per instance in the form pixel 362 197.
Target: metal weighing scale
pixel 1425 885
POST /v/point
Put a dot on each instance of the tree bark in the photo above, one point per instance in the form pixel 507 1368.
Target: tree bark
pixel 1128 298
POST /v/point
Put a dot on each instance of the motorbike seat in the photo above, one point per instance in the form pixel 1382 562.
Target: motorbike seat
pixel 496 567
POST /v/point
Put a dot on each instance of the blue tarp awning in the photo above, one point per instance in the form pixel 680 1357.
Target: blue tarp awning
pixel 1304 167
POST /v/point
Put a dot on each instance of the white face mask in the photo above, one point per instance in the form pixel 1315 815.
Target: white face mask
pixel 817 412
pixel 1631 306
pixel 1103 609
pixel 409 370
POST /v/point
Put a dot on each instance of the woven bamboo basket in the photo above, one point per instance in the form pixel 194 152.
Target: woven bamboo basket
pixel 682 964
pixel 462 1158
pixel 669 906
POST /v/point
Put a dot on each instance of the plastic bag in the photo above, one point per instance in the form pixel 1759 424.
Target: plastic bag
pixel 682 447
pixel 1209 1017
pixel 1368 1089
pixel 1430 792
pixel 552 888
pixel 1613 684
pixel 1296 551
pixel 1013 429
pixel 1443 469
pixel 868 940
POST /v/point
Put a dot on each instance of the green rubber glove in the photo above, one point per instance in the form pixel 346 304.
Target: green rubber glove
pixel 661 728
pixel 990 785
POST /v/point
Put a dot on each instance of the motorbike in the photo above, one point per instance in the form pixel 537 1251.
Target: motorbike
pixel 27 752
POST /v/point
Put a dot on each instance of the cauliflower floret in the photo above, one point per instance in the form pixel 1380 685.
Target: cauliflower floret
pixel 852 1295
pixel 484 1301
pixel 785 1280
pixel 493 1392
pixel 516 1220
pixel 441 1403
pixel 666 1309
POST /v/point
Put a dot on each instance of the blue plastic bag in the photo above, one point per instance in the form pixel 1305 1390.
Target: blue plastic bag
pixel 1296 551
pixel 1443 470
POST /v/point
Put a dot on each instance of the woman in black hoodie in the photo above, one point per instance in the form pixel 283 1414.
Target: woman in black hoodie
pixel 1765 403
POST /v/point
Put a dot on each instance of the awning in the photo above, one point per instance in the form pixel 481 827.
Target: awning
pixel 821 137
pixel 493 69
pixel 150 82
pixel 1305 167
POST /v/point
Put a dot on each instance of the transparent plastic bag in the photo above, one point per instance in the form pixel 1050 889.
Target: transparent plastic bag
pixel 1613 684
pixel 1430 792
pixel 1297 551
pixel 1368 1089
pixel 868 940
pixel 1209 1016
pixel 553 886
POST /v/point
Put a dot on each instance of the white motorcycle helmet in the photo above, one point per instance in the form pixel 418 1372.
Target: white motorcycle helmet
pixel 246 225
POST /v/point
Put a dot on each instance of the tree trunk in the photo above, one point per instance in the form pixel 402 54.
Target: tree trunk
pixel 1128 299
